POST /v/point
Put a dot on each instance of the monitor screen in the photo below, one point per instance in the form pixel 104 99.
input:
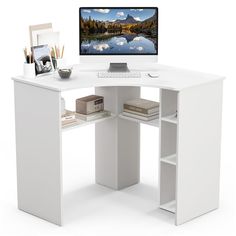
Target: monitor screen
pixel 118 31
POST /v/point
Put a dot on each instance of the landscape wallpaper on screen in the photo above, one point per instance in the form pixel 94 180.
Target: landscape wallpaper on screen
pixel 118 31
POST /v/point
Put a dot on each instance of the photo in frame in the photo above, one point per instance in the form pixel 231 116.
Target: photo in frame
pixel 42 59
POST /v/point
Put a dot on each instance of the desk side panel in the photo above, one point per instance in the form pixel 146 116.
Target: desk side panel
pixel 198 150
pixel 38 151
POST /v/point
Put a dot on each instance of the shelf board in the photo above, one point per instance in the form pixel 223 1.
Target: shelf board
pixel 154 122
pixel 170 118
pixel 169 206
pixel 171 159
pixel 80 123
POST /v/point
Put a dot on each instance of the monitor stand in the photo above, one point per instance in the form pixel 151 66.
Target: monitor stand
pixel 118 67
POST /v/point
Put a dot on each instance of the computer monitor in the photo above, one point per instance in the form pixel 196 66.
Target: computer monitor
pixel 118 34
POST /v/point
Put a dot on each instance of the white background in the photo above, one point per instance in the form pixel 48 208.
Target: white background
pixel 196 34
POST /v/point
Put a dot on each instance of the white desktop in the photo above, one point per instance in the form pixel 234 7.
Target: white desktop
pixel 189 156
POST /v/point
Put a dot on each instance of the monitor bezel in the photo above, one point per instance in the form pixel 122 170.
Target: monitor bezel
pixel 120 54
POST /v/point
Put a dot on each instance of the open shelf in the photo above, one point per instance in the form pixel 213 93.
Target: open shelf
pixel 171 159
pixel 170 118
pixel 80 123
pixel 154 122
pixel 169 206
pixel 168 149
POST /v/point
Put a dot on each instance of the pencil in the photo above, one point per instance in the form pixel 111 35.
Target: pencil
pixel 62 53
pixel 25 53
pixel 56 52
pixel 59 52
pixel 53 52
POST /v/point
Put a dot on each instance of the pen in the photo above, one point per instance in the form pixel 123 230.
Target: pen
pixel 58 54
pixel 25 53
pixel 55 48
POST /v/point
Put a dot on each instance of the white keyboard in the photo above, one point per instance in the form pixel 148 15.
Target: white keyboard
pixel 119 74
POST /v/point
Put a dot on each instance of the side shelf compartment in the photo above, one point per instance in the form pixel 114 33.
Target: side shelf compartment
pixel 168 149
pixel 168 187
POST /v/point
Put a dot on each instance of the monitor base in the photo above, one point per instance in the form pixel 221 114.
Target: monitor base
pixel 118 67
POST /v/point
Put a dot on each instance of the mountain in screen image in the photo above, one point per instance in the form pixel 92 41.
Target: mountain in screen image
pixel 129 20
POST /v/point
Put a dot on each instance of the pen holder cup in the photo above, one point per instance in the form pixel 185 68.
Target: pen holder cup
pixel 29 70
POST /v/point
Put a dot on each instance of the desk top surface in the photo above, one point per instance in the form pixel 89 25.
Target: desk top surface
pixel 85 77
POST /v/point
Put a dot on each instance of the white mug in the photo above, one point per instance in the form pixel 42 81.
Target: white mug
pixel 29 70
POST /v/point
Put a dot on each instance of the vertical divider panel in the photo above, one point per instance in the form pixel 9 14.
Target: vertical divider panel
pixel 117 141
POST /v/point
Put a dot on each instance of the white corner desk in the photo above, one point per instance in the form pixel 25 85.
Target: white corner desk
pixel 190 145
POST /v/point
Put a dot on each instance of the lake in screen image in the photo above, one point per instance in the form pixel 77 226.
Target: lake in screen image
pixel 118 31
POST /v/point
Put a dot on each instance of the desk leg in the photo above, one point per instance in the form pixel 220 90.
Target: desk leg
pixel 117 141
pixel 38 151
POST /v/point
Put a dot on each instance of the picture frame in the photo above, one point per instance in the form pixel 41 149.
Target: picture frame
pixel 52 39
pixel 42 59
pixel 34 30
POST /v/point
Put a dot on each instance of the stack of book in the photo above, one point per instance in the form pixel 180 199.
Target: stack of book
pixel 68 118
pixel 141 109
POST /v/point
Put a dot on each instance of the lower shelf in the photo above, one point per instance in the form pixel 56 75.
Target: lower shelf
pixel 169 206
pixel 154 122
pixel 171 118
pixel 80 123
pixel 171 159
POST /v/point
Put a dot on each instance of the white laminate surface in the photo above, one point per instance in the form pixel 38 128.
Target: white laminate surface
pixel 84 77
